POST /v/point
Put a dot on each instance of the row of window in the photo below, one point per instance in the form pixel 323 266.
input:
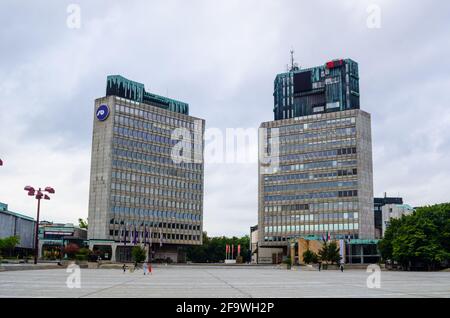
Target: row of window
pixel 293 236
pixel 310 176
pixel 321 217
pixel 142 125
pixel 128 154
pixel 144 136
pixel 144 212
pixel 289 148
pixel 310 186
pixel 326 134
pixel 315 195
pixel 149 226
pixel 159 237
pixel 318 165
pixel 170 172
pixel 167 182
pixel 286 208
pixel 324 206
pixel 318 154
pixel 126 187
pixel 334 206
pixel 307 228
pixel 156 203
pixel 161 150
pixel 162 133
pixel 318 125
pixel 154 117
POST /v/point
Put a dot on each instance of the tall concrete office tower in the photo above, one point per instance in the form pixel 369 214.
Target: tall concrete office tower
pixel 146 184
pixel 322 184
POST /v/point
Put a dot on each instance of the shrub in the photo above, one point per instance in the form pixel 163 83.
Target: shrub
pixel 138 254
pixel 71 250
pixel 309 257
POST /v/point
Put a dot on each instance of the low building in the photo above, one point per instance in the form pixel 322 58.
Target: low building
pixel 394 211
pixel 15 224
pixel 352 251
pixel 377 206
pixel 54 236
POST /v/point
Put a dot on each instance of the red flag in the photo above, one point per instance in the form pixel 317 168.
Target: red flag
pixel 232 251
pixel 239 250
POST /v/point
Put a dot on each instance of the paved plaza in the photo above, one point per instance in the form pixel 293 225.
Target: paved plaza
pixel 221 281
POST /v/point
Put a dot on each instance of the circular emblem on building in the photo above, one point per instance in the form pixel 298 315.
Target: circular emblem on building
pixel 102 112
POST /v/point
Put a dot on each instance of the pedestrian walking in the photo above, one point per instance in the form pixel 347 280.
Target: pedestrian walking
pixel 341 267
pixel 150 268
pixel 320 266
pixel 124 267
pixel 145 268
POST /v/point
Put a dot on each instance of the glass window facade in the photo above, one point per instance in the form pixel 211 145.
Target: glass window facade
pixel 138 192
pixel 318 186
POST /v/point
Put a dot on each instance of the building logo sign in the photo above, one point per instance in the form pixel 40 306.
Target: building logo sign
pixel 102 112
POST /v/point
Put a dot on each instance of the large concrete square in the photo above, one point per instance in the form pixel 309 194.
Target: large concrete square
pixel 222 281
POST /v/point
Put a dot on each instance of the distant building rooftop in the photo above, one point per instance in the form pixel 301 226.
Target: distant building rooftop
pixel 4 209
pixel 118 85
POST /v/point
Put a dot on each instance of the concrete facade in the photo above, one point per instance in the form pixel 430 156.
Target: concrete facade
pixel 15 224
pixel 140 192
pixel 323 182
pixel 394 211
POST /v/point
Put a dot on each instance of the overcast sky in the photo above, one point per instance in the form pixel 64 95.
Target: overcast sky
pixel 221 57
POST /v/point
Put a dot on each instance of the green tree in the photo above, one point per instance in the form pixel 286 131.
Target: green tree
pixel 83 254
pixel 213 249
pixel 309 257
pixel 138 254
pixel 8 244
pixel 329 253
pixel 83 224
pixel 422 238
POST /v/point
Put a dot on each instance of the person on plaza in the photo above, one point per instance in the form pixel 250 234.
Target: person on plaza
pixel 124 267
pixel 342 267
pixel 145 268
pixel 150 268
pixel 320 266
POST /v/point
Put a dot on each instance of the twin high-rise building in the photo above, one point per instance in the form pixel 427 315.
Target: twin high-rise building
pixel 316 180
pixel 315 169
pixel 146 184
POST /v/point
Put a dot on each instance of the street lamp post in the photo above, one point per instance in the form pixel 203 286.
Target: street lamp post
pixel 38 195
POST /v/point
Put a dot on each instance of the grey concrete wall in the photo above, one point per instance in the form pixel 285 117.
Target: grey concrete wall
pixel 11 225
pixel 365 175
pixel 100 183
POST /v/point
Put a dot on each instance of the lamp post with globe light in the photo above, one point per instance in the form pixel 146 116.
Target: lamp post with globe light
pixel 38 194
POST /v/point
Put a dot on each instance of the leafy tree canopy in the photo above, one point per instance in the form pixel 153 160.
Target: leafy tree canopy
pixel 420 238
pixel 213 249
pixel 83 224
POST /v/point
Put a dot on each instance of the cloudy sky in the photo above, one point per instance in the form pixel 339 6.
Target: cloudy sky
pixel 221 57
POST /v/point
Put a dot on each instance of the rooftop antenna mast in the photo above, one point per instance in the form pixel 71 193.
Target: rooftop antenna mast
pixel 294 66
pixel 292 59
